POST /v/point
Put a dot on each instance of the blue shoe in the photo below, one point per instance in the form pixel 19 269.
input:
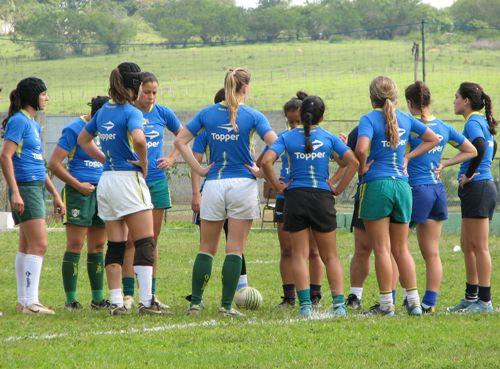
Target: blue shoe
pixel 414 310
pixel 463 304
pixel 478 307
pixel 306 311
pixel 338 310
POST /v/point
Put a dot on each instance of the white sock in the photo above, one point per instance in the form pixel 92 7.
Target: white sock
pixel 412 297
pixel 386 301
pixel 20 278
pixel 32 270
pixel 242 282
pixel 358 291
pixel 116 297
pixel 144 276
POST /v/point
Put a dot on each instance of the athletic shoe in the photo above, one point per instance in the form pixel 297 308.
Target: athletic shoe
pixel 338 310
pixel 463 304
pixel 73 306
pixel 128 302
pixel 478 307
pixel 414 310
pixel 161 304
pixel 19 308
pixel 305 311
pixel 429 310
pixel 353 302
pixel 104 304
pixel 230 312
pixel 286 303
pixel 194 309
pixel 117 310
pixel 38 309
pixel 153 309
pixel 377 310
pixel 316 301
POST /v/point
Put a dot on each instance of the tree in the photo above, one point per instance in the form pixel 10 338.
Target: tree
pixel 112 27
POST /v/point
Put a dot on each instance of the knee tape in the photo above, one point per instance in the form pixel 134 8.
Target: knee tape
pixel 115 253
pixel 144 252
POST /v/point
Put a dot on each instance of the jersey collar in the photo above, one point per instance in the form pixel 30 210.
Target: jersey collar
pixel 84 119
pixel 473 113
pixel 27 114
pixel 378 109
pixel 431 117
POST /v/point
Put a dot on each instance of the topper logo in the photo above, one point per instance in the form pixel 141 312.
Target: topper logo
pixel 152 135
pixel 401 131
pixel 228 127
pixel 108 126
pixel 316 144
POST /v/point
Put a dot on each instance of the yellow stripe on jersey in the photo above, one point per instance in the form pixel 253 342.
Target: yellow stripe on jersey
pixel 71 154
pixel 130 142
pixel 19 148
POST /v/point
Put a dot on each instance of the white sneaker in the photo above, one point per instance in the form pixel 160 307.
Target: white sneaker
pixel 231 312
pixel 128 302
pixel 37 308
pixel 161 304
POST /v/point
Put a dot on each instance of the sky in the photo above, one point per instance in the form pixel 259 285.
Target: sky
pixel 253 3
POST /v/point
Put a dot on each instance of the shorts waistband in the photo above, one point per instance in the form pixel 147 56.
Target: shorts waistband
pixel 34 183
pixel 121 173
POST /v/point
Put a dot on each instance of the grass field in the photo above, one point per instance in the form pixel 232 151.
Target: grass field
pixel 267 338
pixel 339 72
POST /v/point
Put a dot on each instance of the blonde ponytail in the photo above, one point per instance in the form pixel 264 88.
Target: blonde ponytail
pixel 384 94
pixel 235 80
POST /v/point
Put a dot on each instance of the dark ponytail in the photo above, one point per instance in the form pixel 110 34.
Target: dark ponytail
pixel 14 107
pixel 488 110
pixel 479 100
pixel 419 95
pixel 295 102
pixel 311 113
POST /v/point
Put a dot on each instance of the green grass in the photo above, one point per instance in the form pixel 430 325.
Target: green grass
pixel 267 338
pixel 339 72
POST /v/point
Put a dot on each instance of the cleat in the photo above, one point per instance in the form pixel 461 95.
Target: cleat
pixel 161 304
pixel 153 309
pixel 305 311
pixel 73 306
pixel 286 302
pixel 338 310
pixel 19 308
pixel 194 309
pixel 128 302
pixel 37 309
pixel 353 302
pixel 230 312
pixel 463 304
pixel 114 309
pixel 429 310
pixel 377 310
pixel 478 307
pixel 414 310
pixel 104 304
pixel 316 301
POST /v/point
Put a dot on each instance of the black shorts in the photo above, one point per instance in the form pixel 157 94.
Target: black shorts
pixel 356 221
pixel 309 208
pixel 478 199
pixel 279 210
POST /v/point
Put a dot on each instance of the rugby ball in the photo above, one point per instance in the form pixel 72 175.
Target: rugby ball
pixel 248 298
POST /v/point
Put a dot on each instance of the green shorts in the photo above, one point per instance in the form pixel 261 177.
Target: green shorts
pixel 384 198
pixel 160 194
pixel 81 210
pixel 33 195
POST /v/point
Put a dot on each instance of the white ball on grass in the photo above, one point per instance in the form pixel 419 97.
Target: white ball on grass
pixel 457 248
pixel 248 298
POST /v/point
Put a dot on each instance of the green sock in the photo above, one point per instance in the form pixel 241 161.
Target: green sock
pixel 202 269
pixel 231 270
pixel 128 286
pixel 95 270
pixel 153 286
pixel 304 297
pixel 337 299
pixel 70 275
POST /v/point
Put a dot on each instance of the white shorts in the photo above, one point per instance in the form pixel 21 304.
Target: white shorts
pixel 121 193
pixel 236 198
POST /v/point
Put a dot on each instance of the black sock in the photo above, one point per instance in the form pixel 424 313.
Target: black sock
pixel 289 291
pixel 315 290
pixel 484 294
pixel 471 291
pixel 243 265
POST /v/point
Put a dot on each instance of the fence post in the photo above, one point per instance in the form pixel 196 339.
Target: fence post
pixel 423 50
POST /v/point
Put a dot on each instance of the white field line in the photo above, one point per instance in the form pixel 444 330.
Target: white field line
pixel 159 328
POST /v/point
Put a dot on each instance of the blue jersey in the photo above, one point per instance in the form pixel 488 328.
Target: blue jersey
pixel 229 149
pixel 28 162
pixel 387 161
pixel 477 127
pixel 200 146
pixel 113 123
pixel 422 169
pixel 310 170
pixel 80 164
pixel 155 122
pixel 285 166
